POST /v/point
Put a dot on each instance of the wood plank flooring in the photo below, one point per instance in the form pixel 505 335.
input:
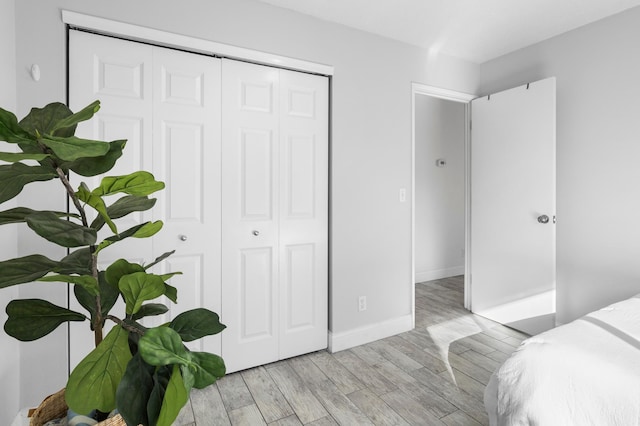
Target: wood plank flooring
pixel 432 375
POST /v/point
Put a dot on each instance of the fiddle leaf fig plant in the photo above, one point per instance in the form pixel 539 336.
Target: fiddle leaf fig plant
pixel 144 373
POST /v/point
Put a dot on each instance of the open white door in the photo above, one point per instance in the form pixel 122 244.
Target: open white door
pixel 513 181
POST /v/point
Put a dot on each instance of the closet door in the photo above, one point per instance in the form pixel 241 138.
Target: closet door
pixel 275 203
pixel 166 104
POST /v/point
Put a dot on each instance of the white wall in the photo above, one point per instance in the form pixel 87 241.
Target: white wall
pixel 371 126
pixel 598 148
pixel 439 191
pixel 10 348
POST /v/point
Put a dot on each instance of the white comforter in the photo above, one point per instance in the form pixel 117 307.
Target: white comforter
pixel 583 373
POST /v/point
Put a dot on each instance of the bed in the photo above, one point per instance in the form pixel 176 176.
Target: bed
pixel 583 373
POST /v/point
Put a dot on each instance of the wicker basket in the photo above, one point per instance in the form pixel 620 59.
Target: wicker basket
pixel 55 407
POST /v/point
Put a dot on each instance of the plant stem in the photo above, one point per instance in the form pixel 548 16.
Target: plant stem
pixel 125 325
pixel 97 323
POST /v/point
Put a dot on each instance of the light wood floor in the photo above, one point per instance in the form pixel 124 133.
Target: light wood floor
pixel 433 375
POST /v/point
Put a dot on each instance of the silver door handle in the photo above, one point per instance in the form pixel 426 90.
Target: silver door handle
pixel 256 233
pixel 183 237
pixel 543 219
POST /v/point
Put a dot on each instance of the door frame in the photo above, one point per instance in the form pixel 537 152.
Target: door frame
pixel 419 89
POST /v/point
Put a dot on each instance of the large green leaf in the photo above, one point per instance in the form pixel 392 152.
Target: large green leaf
pixel 72 148
pixel 43 120
pixel 15 176
pixel 205 368
pixel 60 231
pixel 175 397
pixel 13 157
pixel 139 183
pixel 124 206
pixel 10 130
pixel 119 268
pixel 162 346
pixel 149 310
pixel 77 262
pixel 18 215
pixel 93 166
pixel 197 323
pixel 108 297
pixel 25 269
pixel 67 125
pixel 171 292
pixel 93 383
pixel 98 205
pixel 86 281
pixel 134 391
pixel 138 288
pixel 31 319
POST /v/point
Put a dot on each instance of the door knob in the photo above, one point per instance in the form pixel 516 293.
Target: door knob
pixel 183 237
pixel 543 219
pixel 256 233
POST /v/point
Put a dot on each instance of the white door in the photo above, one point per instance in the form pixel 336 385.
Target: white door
pixel 274 198
pixel 167 105
pixel 513 206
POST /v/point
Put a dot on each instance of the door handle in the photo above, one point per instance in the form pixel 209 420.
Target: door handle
pixel 543 219
pixel 256 233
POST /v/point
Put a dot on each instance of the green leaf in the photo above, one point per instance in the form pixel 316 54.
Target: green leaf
pixel 43 120
pixel 25 269
pixel 197 323
pixel 160 382
pixel 77 262
pixel 18 215
pixel 10 130
pixel 69 123
pixel 149 310
pixel 162 346
pixel 93 166
pixel 98 205
pixel 143 230
pixel 60 231
pixel 119 268
pixel 124 206
pixel 138 288
pixel 15 176
pixel 72 148
pixel 13 157
pixel 86 281
pixel 171 292
pixel 31 319
pixel 93 383
pixel 108 297
pixel 206 368
pixel 160 259
pixel 175 397
pixel 139 183
pixel 134 391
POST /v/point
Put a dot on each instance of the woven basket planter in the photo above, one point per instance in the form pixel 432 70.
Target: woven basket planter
pixel 55 407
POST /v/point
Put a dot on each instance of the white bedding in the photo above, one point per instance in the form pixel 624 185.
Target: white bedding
pixel 583 373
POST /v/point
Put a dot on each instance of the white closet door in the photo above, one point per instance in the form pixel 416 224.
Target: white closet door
pixel 304 195
pixel 250 210
pixel 167 105
pixel 275 212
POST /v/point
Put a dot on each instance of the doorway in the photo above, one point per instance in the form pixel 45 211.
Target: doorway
pixel 441 189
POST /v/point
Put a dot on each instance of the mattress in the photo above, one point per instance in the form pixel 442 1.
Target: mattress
pixel 586 372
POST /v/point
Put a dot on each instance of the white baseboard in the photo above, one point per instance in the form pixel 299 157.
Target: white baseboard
pixel 360 336
pixel 437 274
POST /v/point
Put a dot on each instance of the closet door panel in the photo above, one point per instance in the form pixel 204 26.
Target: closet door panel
pixel 250 208
pixel 186 157
pixel 304 150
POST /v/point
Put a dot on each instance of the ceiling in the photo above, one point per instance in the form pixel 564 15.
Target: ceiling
pixel 475 30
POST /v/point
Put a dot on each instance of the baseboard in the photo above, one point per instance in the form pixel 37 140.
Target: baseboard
pixel 360 336
pixel 437 274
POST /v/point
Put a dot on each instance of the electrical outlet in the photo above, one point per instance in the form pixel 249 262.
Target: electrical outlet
pixel 362 303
